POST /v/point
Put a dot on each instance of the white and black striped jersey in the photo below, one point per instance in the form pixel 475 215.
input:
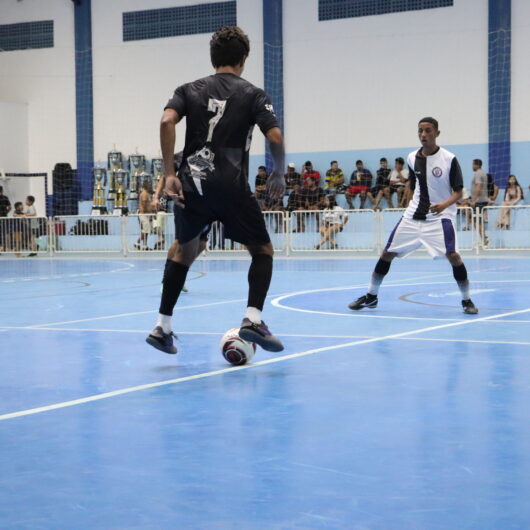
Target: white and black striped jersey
pixel 433 179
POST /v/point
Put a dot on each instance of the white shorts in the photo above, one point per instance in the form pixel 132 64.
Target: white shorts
pixel 437 236
pixel 145 224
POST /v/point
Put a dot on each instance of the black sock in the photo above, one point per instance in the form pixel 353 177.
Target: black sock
pixel 259 279
pixel 172 283
pixel 460 275
pixel 380 271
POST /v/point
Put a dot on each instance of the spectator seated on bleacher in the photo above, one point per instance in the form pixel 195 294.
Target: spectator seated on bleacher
pixel 399 177
pixel 360 184
pixel 382 186
pixel 260 185
pixel 309 172
pixel 292 178
pixel 334 179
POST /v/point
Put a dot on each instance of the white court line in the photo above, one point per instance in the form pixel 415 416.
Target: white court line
pixel 277 301
pixel 204 375
pixel 282 296
pixel 298 335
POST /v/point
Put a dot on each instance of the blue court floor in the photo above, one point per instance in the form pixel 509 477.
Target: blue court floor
pixel 410 416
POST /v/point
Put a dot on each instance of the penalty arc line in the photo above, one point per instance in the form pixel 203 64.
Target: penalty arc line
pixel 147 386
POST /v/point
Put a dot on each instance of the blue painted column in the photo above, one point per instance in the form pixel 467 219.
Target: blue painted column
pixel 273 61
pixel 499 89
pixel 83 92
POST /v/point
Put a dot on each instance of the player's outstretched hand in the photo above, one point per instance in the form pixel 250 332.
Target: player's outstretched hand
pixel 173 189
pixel 275 185
pixel 438 208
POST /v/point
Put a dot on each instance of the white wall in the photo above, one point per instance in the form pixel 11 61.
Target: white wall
pixel 362 83
pixel 134 80
pixel 520 115
pixel 13 137
pixel 44 81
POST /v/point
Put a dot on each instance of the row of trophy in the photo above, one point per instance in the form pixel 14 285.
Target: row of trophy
pixel 124 185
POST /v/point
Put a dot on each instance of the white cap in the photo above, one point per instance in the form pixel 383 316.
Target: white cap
pixel 290 164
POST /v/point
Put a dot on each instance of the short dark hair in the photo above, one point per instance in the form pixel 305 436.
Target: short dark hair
pixel 30 198
pixel 17 204
pixel 358 162
pixel 400 160
pixel 262 167
pixel 229 46
pixel 308 163
pixel 477 162
pixel 383 160
pixel 333 162
pixel 431 120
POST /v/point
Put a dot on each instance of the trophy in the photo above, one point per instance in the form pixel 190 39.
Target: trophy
pixel 136 168
pixel 157 168
pixel 120 200
pixel 115 162
pixel 100 181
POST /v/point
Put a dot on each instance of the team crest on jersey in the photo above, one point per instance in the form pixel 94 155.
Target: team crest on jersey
pixel 437 172
pixel 270 108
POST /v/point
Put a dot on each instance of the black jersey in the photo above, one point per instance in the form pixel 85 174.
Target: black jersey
pixel 221 111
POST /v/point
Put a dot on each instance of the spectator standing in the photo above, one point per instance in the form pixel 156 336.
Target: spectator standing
pixel 5 208
pixel 382 186
pixel 479 192
pixel 309 172
pixel 512 195
pixel 145 209
pixel 33 223
pixel 399 177
pixel 360 184
pixel 334 178
pixel 292 178
pixel 18 229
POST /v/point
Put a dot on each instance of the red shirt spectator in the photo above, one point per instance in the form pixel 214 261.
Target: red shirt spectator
pixel 309 172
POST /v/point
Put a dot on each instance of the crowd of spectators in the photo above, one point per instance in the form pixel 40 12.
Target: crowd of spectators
pixel 17 228
pixel 307 190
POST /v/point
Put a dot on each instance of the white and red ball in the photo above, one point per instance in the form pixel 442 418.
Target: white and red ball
pixel 236 350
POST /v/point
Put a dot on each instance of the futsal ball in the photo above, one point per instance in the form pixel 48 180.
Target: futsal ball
pixel 236 350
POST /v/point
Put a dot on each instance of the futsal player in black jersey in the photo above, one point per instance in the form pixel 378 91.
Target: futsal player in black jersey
pixel 212 181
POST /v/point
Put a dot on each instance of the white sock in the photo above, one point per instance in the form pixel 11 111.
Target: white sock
pixel 254 315
pixel 164 321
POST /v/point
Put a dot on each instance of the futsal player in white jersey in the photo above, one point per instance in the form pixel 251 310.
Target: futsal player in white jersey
pixel 436 182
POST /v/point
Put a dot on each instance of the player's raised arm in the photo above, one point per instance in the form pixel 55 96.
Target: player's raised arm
pixel 173 186
pixel 276 181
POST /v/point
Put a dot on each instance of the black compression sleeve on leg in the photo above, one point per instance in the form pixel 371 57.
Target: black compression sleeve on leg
pixel 172 283
pixel 382 267
pixel 259 279
pixel 460 273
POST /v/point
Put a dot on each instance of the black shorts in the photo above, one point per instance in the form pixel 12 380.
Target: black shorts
pixel 239 212
pixel 177 216
pixel 481 205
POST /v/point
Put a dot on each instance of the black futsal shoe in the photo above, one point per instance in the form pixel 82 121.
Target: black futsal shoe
pixel 469 307
pixel 260 334
pixel 161 341
pixel 368 300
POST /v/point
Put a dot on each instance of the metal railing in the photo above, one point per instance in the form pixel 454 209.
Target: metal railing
pixel 297 232
pixel 505 227
pixel 24 235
